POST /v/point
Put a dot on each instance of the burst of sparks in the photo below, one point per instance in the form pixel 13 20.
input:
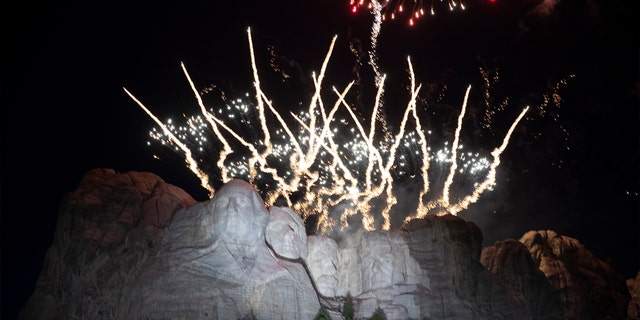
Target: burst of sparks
pixel 329 167
pixel 413 10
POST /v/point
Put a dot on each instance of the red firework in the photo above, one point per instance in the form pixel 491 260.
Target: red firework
pixel 413 9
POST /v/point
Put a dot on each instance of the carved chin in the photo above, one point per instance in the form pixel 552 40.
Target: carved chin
pixel 288 251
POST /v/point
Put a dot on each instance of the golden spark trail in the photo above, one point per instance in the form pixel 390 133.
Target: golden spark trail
pixel 317 174
pixel 374 154
pixel 375 32
pixel 259 158
pixel 256 155
pixel 424 169
pixel 491 177
pixel 191 163
pixel 391 199
pixel 259 101
pixel 363 205
pixel 325 131
pixel 292 137
pixel 386 178
pixel 316 96
pixel 222 156
pixel 324 221
pixel 328 118
pixel 372 129
pixel 454 152
pixel 261 97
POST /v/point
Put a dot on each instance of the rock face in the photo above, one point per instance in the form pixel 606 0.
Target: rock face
pixel 588 287
pixel 106 231
pixel 428 270
pixel 130 246
pixel 215 262
pixel 510 261
pixel 633 310
pixel 578 285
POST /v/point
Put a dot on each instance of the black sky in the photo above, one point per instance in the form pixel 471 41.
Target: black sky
pixel 64 111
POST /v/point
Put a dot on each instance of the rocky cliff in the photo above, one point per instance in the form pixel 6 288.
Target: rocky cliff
pixel 130 246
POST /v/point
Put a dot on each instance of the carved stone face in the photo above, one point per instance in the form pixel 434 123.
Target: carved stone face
pixel 286 233
pixel 239 217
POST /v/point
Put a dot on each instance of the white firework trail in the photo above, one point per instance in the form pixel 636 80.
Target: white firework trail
pixel 375 32
pixel 333 180
pixel 192 164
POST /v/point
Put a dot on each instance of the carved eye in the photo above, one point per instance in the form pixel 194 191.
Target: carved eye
pixel 242 202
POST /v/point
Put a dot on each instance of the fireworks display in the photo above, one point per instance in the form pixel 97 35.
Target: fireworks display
pixel 334 168
pixel 412 10
pixel 571 164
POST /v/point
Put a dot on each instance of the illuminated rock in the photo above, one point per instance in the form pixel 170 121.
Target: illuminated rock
pixel 130 246
pixel 588 287
pixel 510 261
pixel 106 230
pixel 429 270
pixel 286 233
pixel 322 262
pixel 378 271
pixel 215 262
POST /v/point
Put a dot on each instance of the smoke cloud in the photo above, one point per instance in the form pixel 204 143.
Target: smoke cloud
pixel 545 8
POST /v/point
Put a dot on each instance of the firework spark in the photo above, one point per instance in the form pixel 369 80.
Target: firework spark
pixel 413 9
pixel 327 166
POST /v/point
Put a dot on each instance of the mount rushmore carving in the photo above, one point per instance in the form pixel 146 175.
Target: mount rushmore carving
pixel 130 246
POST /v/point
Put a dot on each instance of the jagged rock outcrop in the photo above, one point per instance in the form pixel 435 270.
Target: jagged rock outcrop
pixel 578 285
pixel 633 309
pixel 106 229
pixel 227 258
pixel 130 246
pixel 589 288
pixel 510 261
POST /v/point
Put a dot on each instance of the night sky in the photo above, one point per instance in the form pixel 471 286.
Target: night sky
pixel 573 169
